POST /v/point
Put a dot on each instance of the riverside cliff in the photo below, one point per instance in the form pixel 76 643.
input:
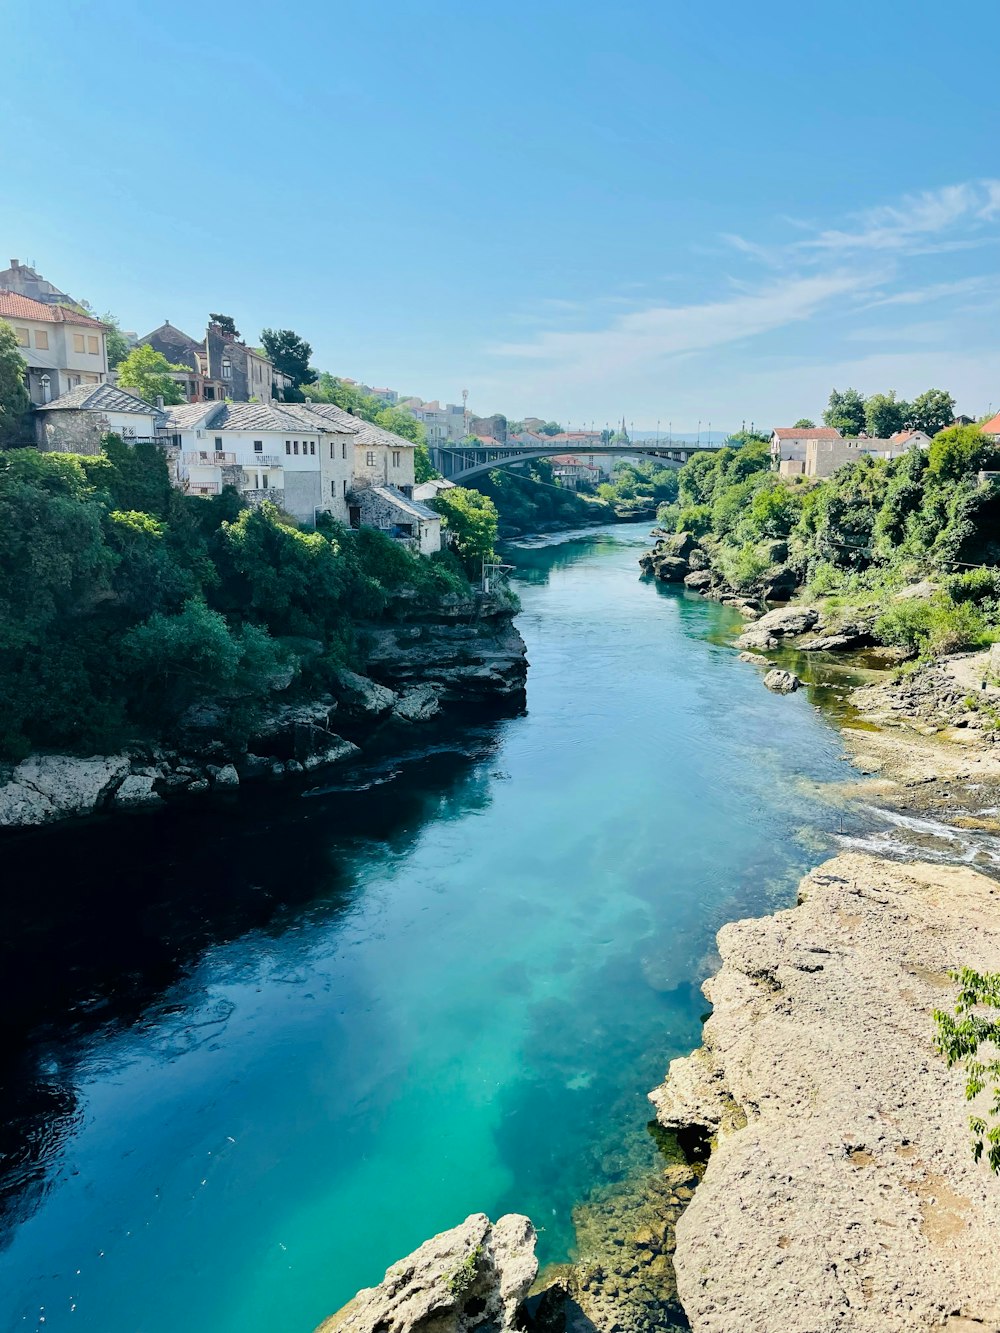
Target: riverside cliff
pixel 841 1193
pixel 466 653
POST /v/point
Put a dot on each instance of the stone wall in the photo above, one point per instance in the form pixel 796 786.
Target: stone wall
pixel 67 432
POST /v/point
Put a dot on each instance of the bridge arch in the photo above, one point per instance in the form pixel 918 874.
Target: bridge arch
pixel 465 462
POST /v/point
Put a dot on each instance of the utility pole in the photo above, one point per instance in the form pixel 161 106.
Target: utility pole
pixel 465 411
pixel 657 432
pixel 699 430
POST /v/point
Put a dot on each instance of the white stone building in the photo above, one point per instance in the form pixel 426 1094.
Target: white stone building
pixel 268 452
pixel 77 421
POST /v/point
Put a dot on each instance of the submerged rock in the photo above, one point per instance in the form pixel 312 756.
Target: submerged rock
pixel 841 1193
pixel 474 1276
pixel 782 682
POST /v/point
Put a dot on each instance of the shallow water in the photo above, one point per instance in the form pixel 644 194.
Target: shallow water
pixel 264 1048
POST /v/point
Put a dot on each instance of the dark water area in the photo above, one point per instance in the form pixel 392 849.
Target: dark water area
pixel 255 1051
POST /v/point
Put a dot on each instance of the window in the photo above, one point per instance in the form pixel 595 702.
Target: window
pixel 258 446
pixel 22 338
pixel 263 481
pixel 41 340
pixel 78 343
pixel 288 446
pixel 227 370
pixel 91 379
pixel 331 450
pixel 312 446
pixel 395 458
pixel 370 458
pixel 295 446
pixel 343 449
pixel 333 490
pixel 218 444
pixel 93 346
pixel 345 485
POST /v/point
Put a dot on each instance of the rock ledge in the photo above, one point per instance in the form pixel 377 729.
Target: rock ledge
pixel 841 1193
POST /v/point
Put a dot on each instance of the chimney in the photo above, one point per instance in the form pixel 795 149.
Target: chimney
pixel 159 401
pixel 15 263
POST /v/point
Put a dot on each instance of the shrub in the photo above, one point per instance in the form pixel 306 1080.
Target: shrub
pixel 745 567
pixel 933 626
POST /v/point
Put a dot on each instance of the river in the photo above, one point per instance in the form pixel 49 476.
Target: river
pixel 266 1047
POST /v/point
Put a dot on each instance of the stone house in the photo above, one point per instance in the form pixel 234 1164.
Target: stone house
pixel 824 457
pixel 397 515
pixel 76 421
pixel 220 366
pixel 788 443
pixel 63 348
pixel 26 281
pixel 267 453
pixel 380 456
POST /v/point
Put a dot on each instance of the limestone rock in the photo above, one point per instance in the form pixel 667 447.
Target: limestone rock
pixel 782 682
pixel 755 638
pixel 784 620
pixel 669 568
pixel 918 592
pixel 756 658
pixel 698 579
pixel 841 1195
pixel 362 697
pixel 474 1276
pixel 137 790
pixel 336 750
pixel 227 776
pixel 418 704
pixel 47 787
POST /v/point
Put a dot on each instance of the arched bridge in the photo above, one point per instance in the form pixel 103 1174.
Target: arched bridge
pixel 462 462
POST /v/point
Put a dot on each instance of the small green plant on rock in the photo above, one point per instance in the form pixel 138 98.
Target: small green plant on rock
pixel 960 1037
pixel 465 1274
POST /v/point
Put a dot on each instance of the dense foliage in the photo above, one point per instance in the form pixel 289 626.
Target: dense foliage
pixel 860 535
pixel 882 414
pixel 530 499
pixel 14 401
pixel 970 1037
pixel 124 601
pixel 471 518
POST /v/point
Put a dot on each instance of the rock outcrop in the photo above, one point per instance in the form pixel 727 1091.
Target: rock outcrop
pixel 44 788
pixel 841 1195
pixel 474 1276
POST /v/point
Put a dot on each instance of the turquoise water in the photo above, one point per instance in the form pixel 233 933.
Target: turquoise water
pixel 268 1048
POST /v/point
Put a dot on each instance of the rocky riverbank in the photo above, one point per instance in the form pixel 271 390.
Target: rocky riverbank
pixel 841 1192
pixel 468 654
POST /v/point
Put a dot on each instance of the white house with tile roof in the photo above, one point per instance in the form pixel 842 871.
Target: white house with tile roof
pixel 267 452
pixel 76 421
pixel 379 455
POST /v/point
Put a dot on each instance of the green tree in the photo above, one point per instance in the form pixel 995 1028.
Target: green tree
pixel 14 400
pixel 290 354
pixel 472 520
pixel 401 422
pixel 960 450
pixel 550 428
pixel 226 323
pixel 961 1037
pixel 845 412
pixel 931 411
pixel 148 372
pixel 884 414
pixel 115 340
pixel 423 468
pixel 804 423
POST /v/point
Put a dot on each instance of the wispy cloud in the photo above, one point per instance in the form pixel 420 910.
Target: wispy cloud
pixel 645 337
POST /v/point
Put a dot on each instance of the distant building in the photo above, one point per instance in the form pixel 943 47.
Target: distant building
pixel 494 427
pixel 824 457
pixel 24 280
pixel 788 443
pixel 910 439
pixel 63 349
pixel 992 428
pixel 575 472
pixel 77 421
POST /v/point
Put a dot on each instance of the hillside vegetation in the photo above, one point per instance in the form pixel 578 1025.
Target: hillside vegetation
pixel 123 601
pixel 858 537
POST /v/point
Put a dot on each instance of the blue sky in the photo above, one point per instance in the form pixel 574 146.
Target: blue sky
pixel 664 210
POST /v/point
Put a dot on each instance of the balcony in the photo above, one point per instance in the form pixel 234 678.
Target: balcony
pixel 262 460
pixel 202 488
pixel 208 458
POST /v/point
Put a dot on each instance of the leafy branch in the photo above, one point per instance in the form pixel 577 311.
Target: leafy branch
pixel 960 1036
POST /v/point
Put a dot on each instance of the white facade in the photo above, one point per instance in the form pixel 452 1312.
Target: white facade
pixel 791 442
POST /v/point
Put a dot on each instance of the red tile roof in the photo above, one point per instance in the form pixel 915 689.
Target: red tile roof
pixel 813 433
pixel 991 427
pixel 15 306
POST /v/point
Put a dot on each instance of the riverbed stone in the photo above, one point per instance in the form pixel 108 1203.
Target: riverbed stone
pixel 669 568
pixel 136 790
pixel 785 620
pixel 698 580
pixel 841 1195
pixel 781 681
pixel 47 787
pixel 474 1276
pixel 758 659
pixel 418 704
